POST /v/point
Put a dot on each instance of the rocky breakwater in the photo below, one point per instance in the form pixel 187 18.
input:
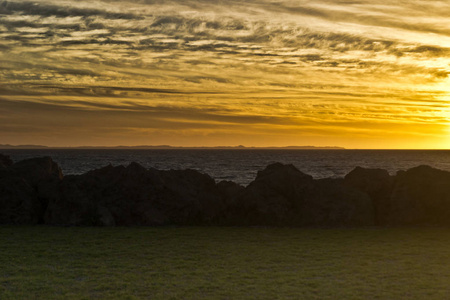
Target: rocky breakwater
pixel 34 191
pixel 25 189
pixel 281 195
pixel 134 195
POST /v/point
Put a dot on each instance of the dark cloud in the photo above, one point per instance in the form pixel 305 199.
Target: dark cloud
pixel 311 57
pixel 5 47
pixel 429 51
pixel 48 10
pixel 94 41
pixel 132 114
pixel 199 79
pixel 175 20
pixel 439 74
pixel 99 91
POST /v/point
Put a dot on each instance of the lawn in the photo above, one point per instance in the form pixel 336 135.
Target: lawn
pixel 224 263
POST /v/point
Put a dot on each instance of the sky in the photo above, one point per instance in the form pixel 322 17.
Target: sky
pixel 356 74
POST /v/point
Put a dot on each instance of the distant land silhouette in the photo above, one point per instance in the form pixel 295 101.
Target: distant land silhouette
pixel 7 146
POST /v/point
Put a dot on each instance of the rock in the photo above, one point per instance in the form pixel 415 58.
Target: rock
pixel 193 198
pixel 72 205
pixel 134 195
pixel 333 204
pixel 95 197
pixel 5 161
pixel 18 202
pixel 282 195
pixel 25 187
pixel 36 170
pixel 229 189
pixel 377 183
pixel 34 191
pixel 420 196
pixel 105 217
pixel 273 198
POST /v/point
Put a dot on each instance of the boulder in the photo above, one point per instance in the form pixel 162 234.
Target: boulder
pixel 273 198
pixel 229 189
pixel 331 203
pixel 420 196
pixel 18 202
pixel 37 170
pixel 377 183
pixel 25 188
pixel 106 196
pixel 133 195
pixel 281 195
pixel 192 197
pixel 5 161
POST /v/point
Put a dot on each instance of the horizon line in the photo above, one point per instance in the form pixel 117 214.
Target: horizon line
pixel 242 147
pixel 30 146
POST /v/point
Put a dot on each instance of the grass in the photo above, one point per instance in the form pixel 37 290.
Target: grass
pixel 224 263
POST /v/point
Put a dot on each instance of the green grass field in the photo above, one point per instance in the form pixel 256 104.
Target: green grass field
pixel 224 263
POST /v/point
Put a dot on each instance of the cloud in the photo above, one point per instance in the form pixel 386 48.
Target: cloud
pixel 48 10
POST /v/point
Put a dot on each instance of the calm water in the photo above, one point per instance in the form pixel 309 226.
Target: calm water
pixel 242 165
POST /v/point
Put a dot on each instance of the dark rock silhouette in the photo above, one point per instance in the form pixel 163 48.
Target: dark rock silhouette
pixel 134 195
pixel 34 191
pixel 105 196
pixel 284 196
pixel 229 189
pixel 274 198
pixel 331 203
pixel 24 189
pixel 37 170
pixel 193 198
pixel 5 161
pixel 420 196
pixel 377 183
pixel 18 202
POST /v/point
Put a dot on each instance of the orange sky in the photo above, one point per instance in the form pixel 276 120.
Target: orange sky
pixel 356 74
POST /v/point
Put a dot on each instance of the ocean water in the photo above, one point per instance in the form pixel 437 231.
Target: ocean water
pixel 241 165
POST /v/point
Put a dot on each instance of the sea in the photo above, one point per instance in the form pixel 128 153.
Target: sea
pixel 239 165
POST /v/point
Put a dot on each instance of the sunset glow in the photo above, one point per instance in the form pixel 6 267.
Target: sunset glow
pixel 356 74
